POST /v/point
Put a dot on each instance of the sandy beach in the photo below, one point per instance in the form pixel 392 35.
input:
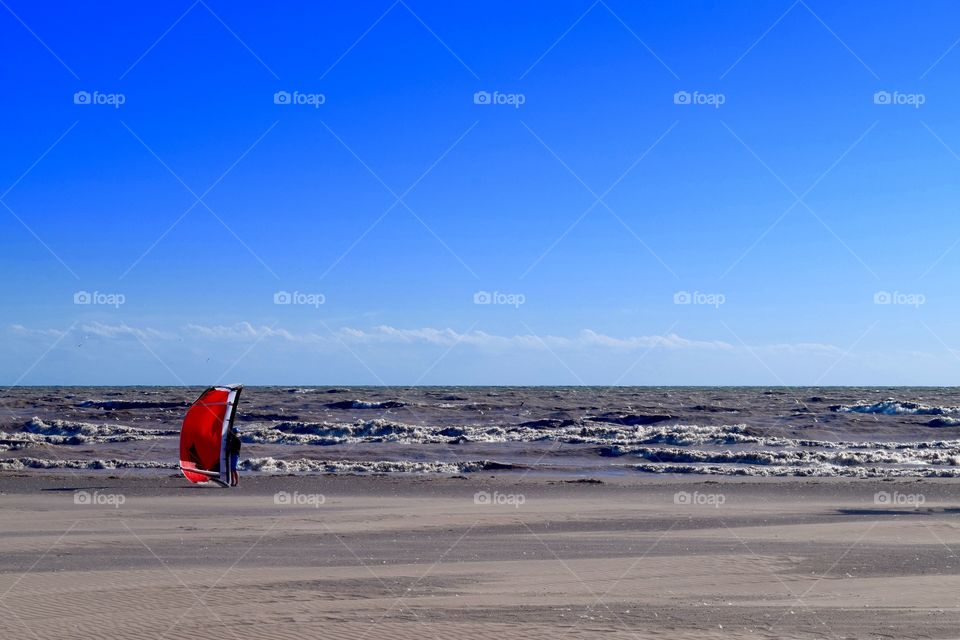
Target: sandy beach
pixel 506 555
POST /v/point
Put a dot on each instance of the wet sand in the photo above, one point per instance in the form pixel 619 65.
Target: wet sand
pixel 145 556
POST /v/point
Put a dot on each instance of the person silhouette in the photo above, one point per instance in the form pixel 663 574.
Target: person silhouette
pixel 233 451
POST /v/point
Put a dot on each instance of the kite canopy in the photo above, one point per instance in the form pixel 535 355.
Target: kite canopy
pixel 203 437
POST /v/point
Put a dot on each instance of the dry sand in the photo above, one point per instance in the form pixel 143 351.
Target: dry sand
pixel 417 557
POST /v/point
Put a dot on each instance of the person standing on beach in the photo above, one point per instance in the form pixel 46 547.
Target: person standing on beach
pixel 233 451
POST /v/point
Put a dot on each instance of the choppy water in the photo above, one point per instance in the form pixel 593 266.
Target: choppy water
pixel 837 431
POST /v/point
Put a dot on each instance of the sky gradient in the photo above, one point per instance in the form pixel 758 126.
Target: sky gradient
pixel 480 193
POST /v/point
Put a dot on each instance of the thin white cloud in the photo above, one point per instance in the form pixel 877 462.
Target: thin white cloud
pixel 669 341
pixel 586 339
pixel 123 330
pixel 245 331
pixel 439 337
pixel 20 330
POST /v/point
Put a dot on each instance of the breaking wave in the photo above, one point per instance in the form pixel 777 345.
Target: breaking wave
pixel 945 421
pixel 822 471
pixel 63 432
pixel 20 464
pixel 112 405
pixel 629 419
pixel 380 430
pixel 363 404
pixel 270 465
pixel 318 433
pixel 307 466
pixel 892 407
pixel 809 458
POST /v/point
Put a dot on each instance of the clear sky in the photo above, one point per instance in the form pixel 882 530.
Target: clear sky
pixel 479 192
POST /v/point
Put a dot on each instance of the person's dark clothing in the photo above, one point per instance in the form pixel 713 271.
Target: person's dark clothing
pixel 233 443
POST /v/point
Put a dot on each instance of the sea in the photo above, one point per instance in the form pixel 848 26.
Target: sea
pixel 863 432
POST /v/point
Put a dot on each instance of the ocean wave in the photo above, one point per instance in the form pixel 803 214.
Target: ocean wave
pixel 364 404
pixel 679 434
pixel 709 408
pixel 821 471
pixel 308 466
pixel 808 458
pixel 547 423
pixel 944 421
pixel 21 464
pixel 253 416
pixel 946 453
pixel 321 433
pixel 380 430
pixel 270 465
pixel 64 432
pixel 114 405
pixel 629 419
pixel 892 407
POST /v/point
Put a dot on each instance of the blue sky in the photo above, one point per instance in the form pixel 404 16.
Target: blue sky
pixel 675 193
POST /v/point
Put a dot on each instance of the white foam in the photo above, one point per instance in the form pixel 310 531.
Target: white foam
pixel 893 407
pixel 820 471
pixel 307 466
pixel 265 465
pixel 380 430
pixel 20 464
pixel 66 432
pixel 808 458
